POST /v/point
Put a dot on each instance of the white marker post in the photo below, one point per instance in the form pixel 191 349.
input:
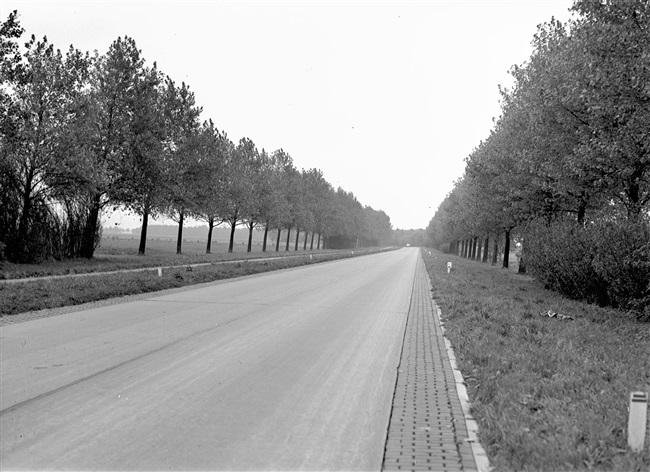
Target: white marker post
pixel 637 421
pixel 159 271
pixel 448 267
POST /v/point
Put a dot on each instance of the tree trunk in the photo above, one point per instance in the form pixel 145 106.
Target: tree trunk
pixel 582 210
pixel 208 247
pixel 143 233
pixel 90 230
pixel 277 241
pixel 266 234
pixel 179 240
pixel 233 225
pixel 304 246
pixel 297 237
pixel 311 245
pixel 251 226
pixel 486 244
pixel 318 245
pixel 521 268
pixel 495 250
pixel 633 193
pixel 23 224
pixel 288 238
pixel 506 250
pixel 475 249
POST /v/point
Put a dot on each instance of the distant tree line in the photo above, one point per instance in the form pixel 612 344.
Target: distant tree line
pixel 565 171
pixel 81 133
pixel 414 237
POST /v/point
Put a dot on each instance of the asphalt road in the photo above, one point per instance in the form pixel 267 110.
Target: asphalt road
pixel 288 370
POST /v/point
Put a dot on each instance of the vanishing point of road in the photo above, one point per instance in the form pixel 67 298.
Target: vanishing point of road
pixel 290 370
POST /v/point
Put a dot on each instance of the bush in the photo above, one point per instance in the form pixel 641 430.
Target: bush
pixel 623 260
pixel 605 262
pixel 54 231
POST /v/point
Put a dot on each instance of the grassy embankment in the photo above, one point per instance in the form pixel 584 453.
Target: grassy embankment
pixel 122 253
pixel 113 255
pixel 549 395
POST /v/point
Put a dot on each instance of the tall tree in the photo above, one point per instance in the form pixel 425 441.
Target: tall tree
pixel 39 106
pixel 208 205
pixel 183 153
pixel 256 205
pixel 140 184
pixel 238 186
pixel 106 128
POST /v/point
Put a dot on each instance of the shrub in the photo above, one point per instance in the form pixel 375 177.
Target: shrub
pixel 605 262
pixel 623 260
pixel 561 256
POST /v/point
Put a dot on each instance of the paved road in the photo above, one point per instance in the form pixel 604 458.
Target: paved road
pixel 288 370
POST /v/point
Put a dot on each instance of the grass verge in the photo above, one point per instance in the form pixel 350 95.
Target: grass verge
pixel 120 254
pixel 35 295
pixel 548 395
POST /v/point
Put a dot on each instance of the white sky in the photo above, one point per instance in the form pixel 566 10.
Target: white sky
pixel 386 98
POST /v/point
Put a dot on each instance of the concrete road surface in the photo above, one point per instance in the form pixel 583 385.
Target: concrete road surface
pixel 287 370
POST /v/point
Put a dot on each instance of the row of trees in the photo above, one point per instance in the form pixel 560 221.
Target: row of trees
pixel 81 133
pixel 566 168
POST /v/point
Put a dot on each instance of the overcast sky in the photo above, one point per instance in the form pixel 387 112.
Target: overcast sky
pixel 386 98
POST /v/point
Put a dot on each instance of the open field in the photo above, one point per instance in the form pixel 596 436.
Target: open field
pixel 549 395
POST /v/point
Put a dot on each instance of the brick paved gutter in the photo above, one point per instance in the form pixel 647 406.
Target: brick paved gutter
pixel 430 426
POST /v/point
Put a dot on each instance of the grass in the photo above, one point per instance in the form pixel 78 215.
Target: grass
pixel 21 297
pixel 548 395
pixel 122 253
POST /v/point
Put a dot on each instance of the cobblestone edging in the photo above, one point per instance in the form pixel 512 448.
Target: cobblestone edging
pixel 430 427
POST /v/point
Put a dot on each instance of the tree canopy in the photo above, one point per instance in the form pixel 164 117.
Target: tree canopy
pixel 568 159
pixel 81 133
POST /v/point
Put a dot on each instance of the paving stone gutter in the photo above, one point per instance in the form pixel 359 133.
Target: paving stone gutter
pixel 430 425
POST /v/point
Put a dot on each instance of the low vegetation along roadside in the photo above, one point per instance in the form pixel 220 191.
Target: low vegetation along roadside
pixel 548 394
pixel 122 254
pixel 45 293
